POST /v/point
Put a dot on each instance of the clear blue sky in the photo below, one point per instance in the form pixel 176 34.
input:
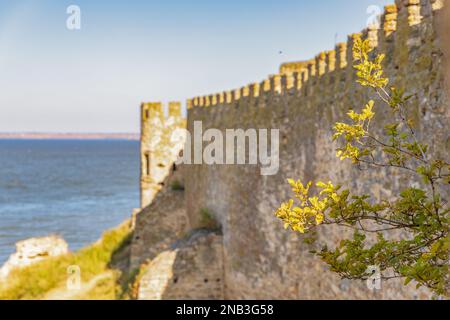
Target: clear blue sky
pixel 93 79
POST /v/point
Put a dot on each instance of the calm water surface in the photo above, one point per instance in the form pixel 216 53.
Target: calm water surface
pixel 74 188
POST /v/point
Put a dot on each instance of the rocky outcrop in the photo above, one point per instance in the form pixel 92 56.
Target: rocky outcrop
pixel 33 250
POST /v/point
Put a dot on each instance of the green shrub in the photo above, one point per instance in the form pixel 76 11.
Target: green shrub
pixel 207 219
pixel 177 186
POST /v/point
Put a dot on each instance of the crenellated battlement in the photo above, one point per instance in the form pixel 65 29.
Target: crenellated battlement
pixel 152 110
pixel 294 76
pixel 292 67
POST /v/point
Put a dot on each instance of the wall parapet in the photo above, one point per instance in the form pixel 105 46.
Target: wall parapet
pixel 294 76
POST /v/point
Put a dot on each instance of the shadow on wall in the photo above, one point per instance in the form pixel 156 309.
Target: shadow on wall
pixel 443 29
pixel 191 269
pixel 162 222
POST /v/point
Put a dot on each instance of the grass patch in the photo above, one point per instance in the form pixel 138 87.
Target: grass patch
pixel 177 186
pixel 36 280
pixel 130 283
pixel 207 219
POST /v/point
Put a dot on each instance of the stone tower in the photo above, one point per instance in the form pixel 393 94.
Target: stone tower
pixel 162 139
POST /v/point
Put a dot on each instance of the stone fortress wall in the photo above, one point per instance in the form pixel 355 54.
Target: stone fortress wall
pixel 252 256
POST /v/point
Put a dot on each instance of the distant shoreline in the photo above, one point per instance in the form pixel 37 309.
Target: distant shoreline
pixel 69 136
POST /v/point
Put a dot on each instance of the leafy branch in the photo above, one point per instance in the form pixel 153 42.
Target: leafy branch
pixel 419 214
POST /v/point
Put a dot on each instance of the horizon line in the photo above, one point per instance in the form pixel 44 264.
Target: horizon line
pixel 70 135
